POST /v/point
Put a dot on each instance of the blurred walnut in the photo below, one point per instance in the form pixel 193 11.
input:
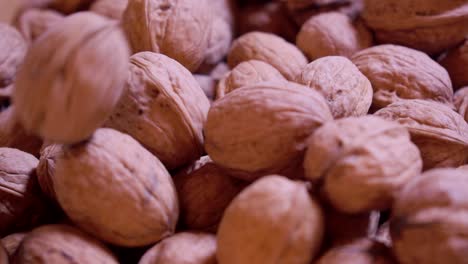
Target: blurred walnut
pixel 12 51
pixel 207 84
pixel 456 63
pixel 78 70
pixel 397 73
pixel 3 255
pixel 440 133
pixel 274 220
pixel 109 8
pixel 46 168
pixel 164 108
pixel 64 6
pixel 12 242
pixel 362 162
pixel 34 22
pixel 461 102
pixel 347 91
pixel 183 248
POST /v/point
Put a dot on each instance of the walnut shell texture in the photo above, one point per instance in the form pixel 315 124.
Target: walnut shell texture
pixel 12 242
pixel 46 168
pixel 109 8
pixel 460 99
pixel 33 22
pixel 456 63
pixel 13 48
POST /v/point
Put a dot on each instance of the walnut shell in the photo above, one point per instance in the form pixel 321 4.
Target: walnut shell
pixel 112 171
pixel 207 84
pixel 73 94
pixel 12 242
pixel 3 255
pixel 347 91
pixel 460 99
pixel 62 244
pixel 274 50
pixel 440 133
pixel 429 223
pixel 397 73
pixel 263 128
pixel 164 108
pixel 109 8
pixel 362 162
pixel 46 168
pixel 456 63
pixel 13 48
pixel 197 248
pixel 331 34
pixel 33 22
pixel 274 220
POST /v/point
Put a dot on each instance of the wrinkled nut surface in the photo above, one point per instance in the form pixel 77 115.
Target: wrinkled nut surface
pixel 13 48
pixel 183 248
pixel 332 34
pixel 274 50
pixel 439 132
pixel 347 91
pixel 253 231
pixel 116 190
pixel 461 102
pixel 63 91
pixel 109 8
pixel 12 242
pixel 362 162
pixel 456 63
pixel 397 73
pixel 62 244
pixel 179 29
pixel 263 128
pixel 46 168
pixel 33 22
pixel 429 223
pixel 164 108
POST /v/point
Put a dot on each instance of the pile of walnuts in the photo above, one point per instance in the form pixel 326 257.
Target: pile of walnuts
pixel 234 131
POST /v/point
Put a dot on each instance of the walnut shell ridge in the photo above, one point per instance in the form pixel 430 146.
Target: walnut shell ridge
pixel 460 99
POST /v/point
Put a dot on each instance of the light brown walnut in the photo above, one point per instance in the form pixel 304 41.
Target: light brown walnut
pixel 46 168
pixel 13 48
pixel 456 63
pixel 460 99
pixel 34 22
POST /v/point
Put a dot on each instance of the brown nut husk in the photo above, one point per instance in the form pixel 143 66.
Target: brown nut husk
pixel 398 73
pixel 429 223
pixel 13 48
pixel 274 50
pixel 456 63
pixel 274 220
pixel 439 132
pixel 34 22
pixel 112 171
pixel 62 244
pixel 332 34
pixel 183 248
pixel 263 128
pixel 362 162
pixel 46 168
pixel 347 91
pixel 164 108
pixel 460 99
pixel 109 8
pixel 12 242
pixel 74 92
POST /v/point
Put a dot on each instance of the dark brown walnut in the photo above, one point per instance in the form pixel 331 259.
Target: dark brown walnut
pixel 33 22
pixel 62 244
pixel 72 78
pixel 461 102
pixel 13 48
pixel 439 132
pixel 429 223
pixel 12 243
pixel 3 255
pixel 263 128
pixel 183 248
pixel 456 63
pixel 46 168
pixel 164 108
pixel 274 220
pixel 205 190
pixel 109 8
pixel 361 162
pixel 269 48
pixel 398 73
pixel 430 26
pixel 115 189
pixel 347 91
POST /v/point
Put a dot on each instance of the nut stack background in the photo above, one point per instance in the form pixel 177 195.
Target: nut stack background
pixel 234 131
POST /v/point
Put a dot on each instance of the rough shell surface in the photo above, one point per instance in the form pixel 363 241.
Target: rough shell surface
pixel 456 63
pixel 13 48
pixel 461 102
pixel 12 242
pixel 109 8
pixel 33 22
pixel 46 168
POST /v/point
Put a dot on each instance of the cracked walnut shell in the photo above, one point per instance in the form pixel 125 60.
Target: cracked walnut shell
pixel 13 48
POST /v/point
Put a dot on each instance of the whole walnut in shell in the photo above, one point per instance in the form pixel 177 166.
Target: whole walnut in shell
pixel 12 242
pixel 397 73
pixel 34 22
pixel 439 132
pixel 429 223
pixel 62 244
pixel 109 8
pixel 72 77
pixel 274 220
pixel 13 48
pixel 116 190
pixel 456 63
pixel 263 128
pixel 362 162
pixel 183 248
pixel 460 99
pixel 347 91
pixel 331 34
pixel 46 168
pixel 274 50
pixel 164 108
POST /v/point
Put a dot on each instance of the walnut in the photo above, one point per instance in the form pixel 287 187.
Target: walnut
pixel 33 22
pixel 347 91
pixel 109 8
pixel 46 168
pixel 164 108
pixel 226 9
pixel 274 50
pixel 12 51
pixel 112 171
pixel 332 34
pixel 179 29
pixel 12 242
pixel 429 26
pixel 362 162
pixel 440 133
pixel 197 248
pixel 205 190
pixel 62 244
pixel 428 223
pixel 248 73
pixel 3 255
pixel 219 71
pixel 207 84
pixel 73 94
pixel 461 102
pixel 274 220
pixel 397 73
pixel 263 128
pixel 456 63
